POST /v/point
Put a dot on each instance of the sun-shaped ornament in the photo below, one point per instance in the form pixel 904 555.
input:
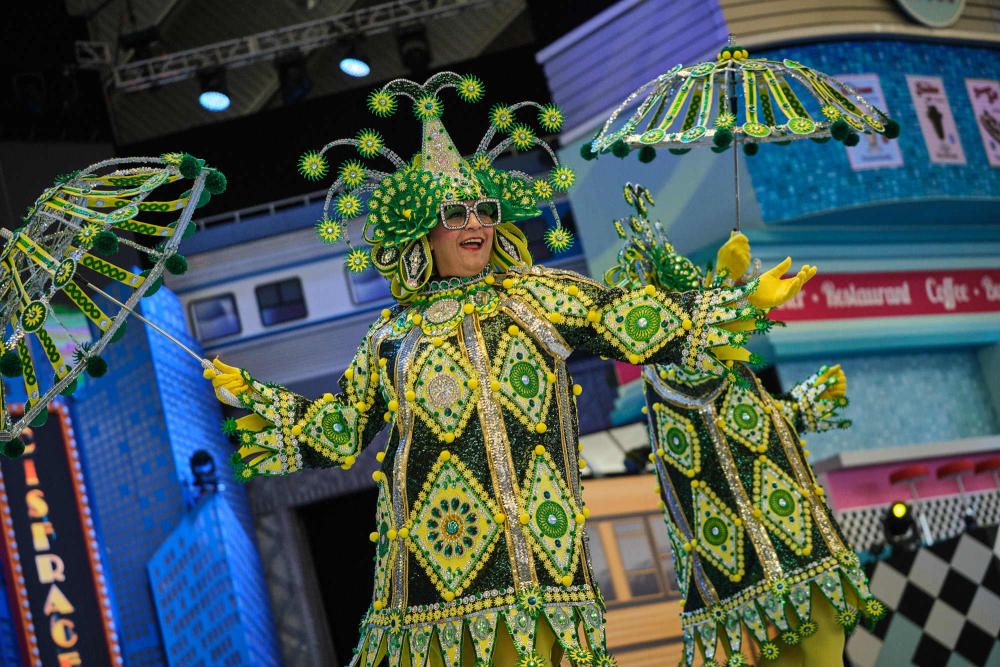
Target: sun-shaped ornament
pixel 353 173
pixel 558 239
pixel 329 230
pixel 381 103
pixel 522 137
pixel 312 165
pixel 348 206
pixel 501 117
pixel 357 260
pixel 369 143
pixel 562 178
pixel 428 107
pixel 550 118
pixel 542 189
pixel 470 89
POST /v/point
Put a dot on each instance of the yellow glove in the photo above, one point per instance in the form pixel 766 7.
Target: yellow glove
pixel 773 290
pixel 225 378
pixel 734 256
pixel 837 383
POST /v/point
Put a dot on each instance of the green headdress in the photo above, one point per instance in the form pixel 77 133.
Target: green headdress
pixel 647 257
pixel 403 203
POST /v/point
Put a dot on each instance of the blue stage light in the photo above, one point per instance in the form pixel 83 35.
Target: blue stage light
pixel 356 67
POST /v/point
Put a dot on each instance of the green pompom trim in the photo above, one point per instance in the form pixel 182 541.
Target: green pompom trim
pixel 620 149
pixel 119 332
pixel 679 151
pixel 70 388
pixel 190 166
pixel 153 288
pixel 647 154
pixel 176 264
pixel 216 182
pixel 751 149
pixel 852 139
pixel 40 418
pixel 12 449
pixel 892 129
pixel 105 243
pixel 840 129
pixel 723 137
pixel 10 364
pixel 96 367
pixel 229 426
pixel 719 149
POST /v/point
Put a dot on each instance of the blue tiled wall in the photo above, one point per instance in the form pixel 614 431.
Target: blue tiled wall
pixel 210 596
pixel 804 178
pixel 903 399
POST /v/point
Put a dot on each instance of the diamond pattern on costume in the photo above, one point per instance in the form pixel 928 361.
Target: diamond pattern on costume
pixel 709 639
pixel 384 547
pixel 453 531
pixel 683 376
pixel 640 323
pixel 360 386
pixel 745 419
pixel 552 525
pixel 375 636
pixel 522 630
pixel 832 589
pixel 677 440
pixel 440 382
pixel 563 622
pixel 450 637
pixel 718 533
pixel 752 621
pixel 801 600
pixel 593 624
pixel 483 628
pixel 782 505
pixel 420 643
pixel 525 385
pixel 332 429
pixel 551 298
pixel 681 559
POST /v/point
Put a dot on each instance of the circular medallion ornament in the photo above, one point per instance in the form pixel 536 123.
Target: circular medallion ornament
pixel 524 379
pixel 753 65
pixel 443 390
pixel 781 502
pixel 124 213
pixel 875 123
pixel 793 64
pixel 442 310
pixel 676 441
pixel 335 428
pixel 745 416
pixel 154 182
pixel 551 519
pixel 33 316
pixel 758 130
pixel 652 136
pixel 801 125
pixel 853 122
pixel 642 322
pixel 701 69
pixel 715 531
pixel 692 134
pixel 64 273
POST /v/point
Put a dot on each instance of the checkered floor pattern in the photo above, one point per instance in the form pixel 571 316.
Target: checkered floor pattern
pixel 863 527
pixel 944 603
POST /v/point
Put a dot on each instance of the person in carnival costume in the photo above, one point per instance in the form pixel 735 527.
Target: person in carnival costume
pixel 481 553
pixel 757 552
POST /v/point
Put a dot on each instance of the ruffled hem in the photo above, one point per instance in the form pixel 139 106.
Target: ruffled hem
pixel 761 613
pixel 384 635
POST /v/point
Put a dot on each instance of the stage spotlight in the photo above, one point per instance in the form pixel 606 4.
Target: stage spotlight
pixel 414 50
pixel 293 77
pixel 214 93
pixel 355 64
pixel 899 527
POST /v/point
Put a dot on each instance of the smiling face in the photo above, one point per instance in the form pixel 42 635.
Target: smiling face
pixel 461 252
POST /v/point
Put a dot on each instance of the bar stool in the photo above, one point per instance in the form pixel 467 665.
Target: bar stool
pixel 957 470
pixel 910 475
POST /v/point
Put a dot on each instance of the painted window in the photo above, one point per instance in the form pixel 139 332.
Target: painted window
pixel 215 317
pixel 281 301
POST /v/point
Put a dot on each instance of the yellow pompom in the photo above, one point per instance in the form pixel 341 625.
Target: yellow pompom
pixel 361 406
pixel 378 475
pixel 513 330
pixel 649 290
pixel 634 359
pixel 417 319
pixel 393 405
pixel 448 596
pixel 663 375
pixel 539 449
pixel 687 324
pixel 391 534
pixel 807 551
pixel 349 460
pixel 586 512
pixel 524 518
pixel 328 397
pixel 577 390
pixel 472 383
pixel 489 280
pixel 555 318
pixel 688 546
pixel 695 483
pixel 449 437
pixel 373 536
pixel 297 429
pixel 540 427
pixel 644 410
pixel 386 313
pixel 404 532
pixel 579 518
pixel 550 376
pixel 661 452
pixel 468 308
pixel 349 374
pixel 583 464
pixel 387 417
pixel 567 580
pixel 382 362
pixel 437 341
pixel 508 283
pixel 410 395
pixel 805 453
pixel 494 385
pixel 444 455
pixel 802 442
pixel 378 605
pixel 499 517
pixel 380 457
pixel 757 513
pixel 593 315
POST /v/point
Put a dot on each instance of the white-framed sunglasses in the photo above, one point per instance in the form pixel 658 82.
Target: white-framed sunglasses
pixel 455 214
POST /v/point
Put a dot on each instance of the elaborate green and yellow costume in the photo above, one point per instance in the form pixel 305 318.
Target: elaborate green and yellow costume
pixel 757 552
pixel 481 546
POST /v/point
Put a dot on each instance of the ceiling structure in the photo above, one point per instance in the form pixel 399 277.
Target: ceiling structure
pixel 124 32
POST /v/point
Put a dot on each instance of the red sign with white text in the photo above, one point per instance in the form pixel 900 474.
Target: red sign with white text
pixel 849 295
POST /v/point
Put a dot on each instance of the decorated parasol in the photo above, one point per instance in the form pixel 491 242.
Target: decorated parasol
pixel 737 99
pixel 59 267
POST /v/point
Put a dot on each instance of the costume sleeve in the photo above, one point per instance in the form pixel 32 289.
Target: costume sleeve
pixel 285 432
pixel 807 412
pixel 644 325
